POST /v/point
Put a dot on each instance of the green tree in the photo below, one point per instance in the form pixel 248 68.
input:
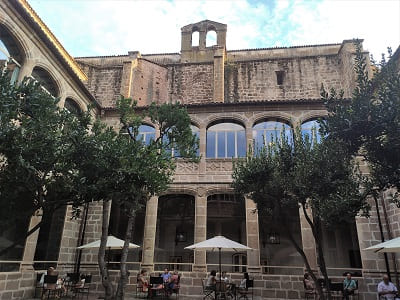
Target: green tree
pixel 369 123
pixel 147 168
pixel 37 146
pixel 320 178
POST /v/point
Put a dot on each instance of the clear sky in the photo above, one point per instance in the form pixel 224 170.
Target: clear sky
pixel 90 27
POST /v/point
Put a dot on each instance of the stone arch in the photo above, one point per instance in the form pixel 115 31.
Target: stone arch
pixel 49 80
pixel 10 36
pixel 211 36
pixel 195 37
pixel 219 190
pixel 182 190
pixel 213 119
pixel 312 115
pixel 73 105
pixel 196 121
pixel 276 116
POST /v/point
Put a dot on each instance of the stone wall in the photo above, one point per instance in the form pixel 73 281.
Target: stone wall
pixel 104 83
pixel 17 285
pixel 190 83
pixel 302 78
pixel 149 83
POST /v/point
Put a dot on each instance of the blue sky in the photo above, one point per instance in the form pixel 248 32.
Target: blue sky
pixel 90 27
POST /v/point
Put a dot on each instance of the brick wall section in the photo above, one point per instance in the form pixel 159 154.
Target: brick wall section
pixel 190 83
pixel 257 80
pixel 104 82
pixel 69 239
pixel 149 83
pixel 17 285
pixel 93 232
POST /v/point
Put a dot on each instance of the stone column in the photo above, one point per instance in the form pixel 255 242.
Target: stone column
pixel 219 75
pixel 202 148
pixel 30 243
pixel 307 240
pixel 253 256
pixel 26 69
pixel 200 230
pixel 249 136
pixel 149 238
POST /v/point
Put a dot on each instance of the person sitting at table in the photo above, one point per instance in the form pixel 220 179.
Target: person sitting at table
pixel 166 276
pixel 212 281
pixel 224 278
pixel 386 289
pixel 173 282
pixel 349 285
pixel 142 281
pixel 243 283
pixel 309 285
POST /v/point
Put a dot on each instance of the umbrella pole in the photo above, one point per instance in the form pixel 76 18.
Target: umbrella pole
pixel 220 270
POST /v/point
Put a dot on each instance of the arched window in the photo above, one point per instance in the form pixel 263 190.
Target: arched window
pixel 267 132
pixel 226 140
pixel 46 80
pixel 211 38
pixel 11 54
pixel 195 38
pixel 311 129
pixel 146 134
pixel 72 106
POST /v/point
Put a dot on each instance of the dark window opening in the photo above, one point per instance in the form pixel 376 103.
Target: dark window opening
pixel 279 77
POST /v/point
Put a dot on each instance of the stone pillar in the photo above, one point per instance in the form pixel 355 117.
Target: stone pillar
pixel 30 243
pixel 219 75
pixel 307 240
pixel 252 233
pixel 249 136
pixel 200 230
pixel 69 240
pixel 149 238
pixel 26 69
pixel 202 148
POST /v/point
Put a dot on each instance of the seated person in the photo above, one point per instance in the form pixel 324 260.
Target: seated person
pixel 243 283
pixel 142 281
pixel 212 281
pixel 173 282
pixel 224 278
pixel 166 276
pixel 309 285
pixel 386 289
pixel 349 285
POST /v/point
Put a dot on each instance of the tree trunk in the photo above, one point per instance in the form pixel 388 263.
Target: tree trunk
pixel 105 279
pixel 286 227
pixel 321 258
pixel 124 274
pixel 316 231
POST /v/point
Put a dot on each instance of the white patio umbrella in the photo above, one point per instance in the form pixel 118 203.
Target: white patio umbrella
pixel 112 244
pixel 392 245
pixel 219 243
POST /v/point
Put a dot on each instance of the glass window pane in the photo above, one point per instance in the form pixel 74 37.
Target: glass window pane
pixel 241 144
pixel 230 144
pixel 221 144
pixel 210 144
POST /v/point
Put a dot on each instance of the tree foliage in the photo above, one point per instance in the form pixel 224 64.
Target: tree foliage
pixel 369 123
pixel 321 176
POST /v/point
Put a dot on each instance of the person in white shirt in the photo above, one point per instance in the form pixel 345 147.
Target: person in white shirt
pixel 386 289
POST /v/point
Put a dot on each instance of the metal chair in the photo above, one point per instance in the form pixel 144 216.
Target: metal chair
pixel 50 285
pixel 84 289
pixel 207 292
pixel 243 293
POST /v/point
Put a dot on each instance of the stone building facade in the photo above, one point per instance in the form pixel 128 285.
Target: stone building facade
pixel 234 98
